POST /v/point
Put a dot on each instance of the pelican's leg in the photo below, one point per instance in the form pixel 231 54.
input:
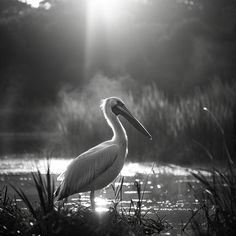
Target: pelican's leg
pixel 92 200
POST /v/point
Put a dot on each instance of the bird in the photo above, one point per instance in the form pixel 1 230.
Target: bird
pixel 100 165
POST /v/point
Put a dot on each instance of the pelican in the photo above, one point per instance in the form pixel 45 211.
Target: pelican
pixel 100 165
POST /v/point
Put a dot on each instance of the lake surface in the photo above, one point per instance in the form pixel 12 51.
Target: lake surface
pixel 166 188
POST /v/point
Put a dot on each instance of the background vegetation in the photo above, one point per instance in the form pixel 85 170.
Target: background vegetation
pixel 183 132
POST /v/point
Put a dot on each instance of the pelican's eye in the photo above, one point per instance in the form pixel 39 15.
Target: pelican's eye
pixel 119 103
pixel 115 109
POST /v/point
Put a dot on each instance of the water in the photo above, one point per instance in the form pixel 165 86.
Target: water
pixel 165 188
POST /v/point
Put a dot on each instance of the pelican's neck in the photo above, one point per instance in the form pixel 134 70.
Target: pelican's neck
pixel 119 133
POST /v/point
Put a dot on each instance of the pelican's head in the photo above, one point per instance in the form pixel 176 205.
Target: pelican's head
pixel 116 106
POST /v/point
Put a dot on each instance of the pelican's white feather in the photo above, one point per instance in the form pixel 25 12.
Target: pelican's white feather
pixel 84 172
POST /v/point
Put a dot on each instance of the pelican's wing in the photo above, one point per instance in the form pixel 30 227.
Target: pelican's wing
pixel 88 153
pixel 86 167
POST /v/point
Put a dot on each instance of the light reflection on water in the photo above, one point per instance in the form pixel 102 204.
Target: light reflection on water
pixel 57 166
pixel 164 189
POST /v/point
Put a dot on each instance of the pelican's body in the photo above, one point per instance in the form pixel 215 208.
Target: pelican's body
pixel 100 165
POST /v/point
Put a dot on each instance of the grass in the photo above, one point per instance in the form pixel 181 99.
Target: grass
pixel 217 212
pixel 44 218
pixel 13 219
pixel 218 203
pixel 134 215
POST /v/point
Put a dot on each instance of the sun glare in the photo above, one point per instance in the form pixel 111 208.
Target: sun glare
pixel 33 3
pixel 106 10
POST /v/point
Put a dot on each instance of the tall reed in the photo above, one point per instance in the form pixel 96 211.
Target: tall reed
pixel 177 125
pixel 217 196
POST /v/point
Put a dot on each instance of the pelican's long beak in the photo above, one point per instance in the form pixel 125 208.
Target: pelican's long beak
pixel 121 109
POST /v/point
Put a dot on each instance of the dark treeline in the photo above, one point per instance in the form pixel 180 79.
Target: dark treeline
pixel 48 57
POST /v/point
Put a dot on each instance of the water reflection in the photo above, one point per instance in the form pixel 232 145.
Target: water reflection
pixel 101 204
pixel 164 189
pixel 57 166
